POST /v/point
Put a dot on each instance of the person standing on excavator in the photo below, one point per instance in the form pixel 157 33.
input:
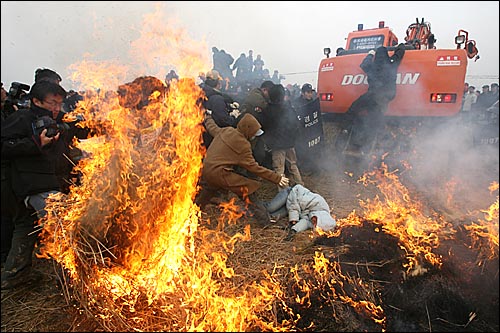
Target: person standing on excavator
pixel 381 70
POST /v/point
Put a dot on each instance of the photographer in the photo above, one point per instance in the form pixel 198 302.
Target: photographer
pixel 16 98
pixel 35 143
pixel 72 97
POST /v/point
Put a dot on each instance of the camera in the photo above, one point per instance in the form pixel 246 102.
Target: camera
pixel 46 122
pixel 71 101
pixel 18 94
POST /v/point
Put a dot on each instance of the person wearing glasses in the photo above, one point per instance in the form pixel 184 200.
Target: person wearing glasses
pixel 34 141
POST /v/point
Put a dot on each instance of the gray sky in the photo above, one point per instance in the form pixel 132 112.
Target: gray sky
pixel 290 36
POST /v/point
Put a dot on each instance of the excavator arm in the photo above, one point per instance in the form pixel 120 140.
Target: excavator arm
pixel 419 35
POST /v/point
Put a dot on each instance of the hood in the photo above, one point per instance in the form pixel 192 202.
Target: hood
pixel 325 220
pixel 209 90
pixel 248 126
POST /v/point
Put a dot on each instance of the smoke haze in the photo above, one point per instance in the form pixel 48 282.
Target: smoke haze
pixel 290 37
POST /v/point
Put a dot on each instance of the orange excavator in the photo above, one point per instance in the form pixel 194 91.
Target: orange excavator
pixel 430 81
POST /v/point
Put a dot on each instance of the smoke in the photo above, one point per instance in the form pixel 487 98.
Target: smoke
pixel 449 164
pixel 444 161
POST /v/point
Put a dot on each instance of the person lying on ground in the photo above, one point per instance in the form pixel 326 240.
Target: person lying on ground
pixel 306 210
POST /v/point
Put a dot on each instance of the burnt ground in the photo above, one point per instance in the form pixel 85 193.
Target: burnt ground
pixel 460 296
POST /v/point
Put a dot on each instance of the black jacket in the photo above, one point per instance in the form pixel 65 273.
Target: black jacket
pixel 382 70
pixel 35 169
pixel 282 126
pixel 216 102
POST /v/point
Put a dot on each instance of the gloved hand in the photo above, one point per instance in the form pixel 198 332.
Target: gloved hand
pixel 284 181
pixel 372 52
pixel 235 113
pixel 207 111
pixel 235 105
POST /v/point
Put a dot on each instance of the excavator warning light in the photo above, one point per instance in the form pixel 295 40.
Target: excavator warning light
pixel 360 26
pixel 381 24
pixel 460 39
pixel 327 51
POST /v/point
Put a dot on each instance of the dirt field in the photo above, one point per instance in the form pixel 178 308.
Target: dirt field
pixel 450 179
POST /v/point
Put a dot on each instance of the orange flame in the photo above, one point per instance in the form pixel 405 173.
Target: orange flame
pixel 135 212
pixel 402 217
pixel 130 235
pixel 484 233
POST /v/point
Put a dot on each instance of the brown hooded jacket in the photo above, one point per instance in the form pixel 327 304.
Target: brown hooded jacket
pixel 231 147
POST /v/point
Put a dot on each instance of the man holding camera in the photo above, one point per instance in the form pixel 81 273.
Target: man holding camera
pixel 34 142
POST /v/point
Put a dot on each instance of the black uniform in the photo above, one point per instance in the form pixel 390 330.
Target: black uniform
pixel 382 74
pixel 28 169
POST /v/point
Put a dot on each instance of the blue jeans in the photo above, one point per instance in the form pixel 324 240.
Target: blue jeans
pixel 277 206
pixel 38 202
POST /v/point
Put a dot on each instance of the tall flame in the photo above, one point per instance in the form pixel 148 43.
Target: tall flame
pixel 129 235
pixel 138 254
pixel 130 231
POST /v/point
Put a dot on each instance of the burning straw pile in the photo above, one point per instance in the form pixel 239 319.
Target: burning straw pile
pixel 135 251
pixel 137 254
pixel 129 237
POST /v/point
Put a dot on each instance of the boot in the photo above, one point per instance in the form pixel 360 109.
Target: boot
pixel 18 266
pixel 291 234
pixel 258 210
pixel 204 197
pixel 11 281
pixel 260 213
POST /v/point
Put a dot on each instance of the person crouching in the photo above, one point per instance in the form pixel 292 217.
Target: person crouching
pixel 230 149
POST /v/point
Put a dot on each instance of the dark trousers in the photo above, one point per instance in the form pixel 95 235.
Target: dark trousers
pixel 367 114
pixel 9 210
pixel 365 127
pixel 24 237
pixel 7 230
pixel 259 152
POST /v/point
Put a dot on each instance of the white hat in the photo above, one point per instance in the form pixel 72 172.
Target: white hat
pixel 259 132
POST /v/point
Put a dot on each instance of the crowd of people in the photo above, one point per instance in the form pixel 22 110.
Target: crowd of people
pixel 271 133
pixel 244 73
pixel 480 105
pixel 255 129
